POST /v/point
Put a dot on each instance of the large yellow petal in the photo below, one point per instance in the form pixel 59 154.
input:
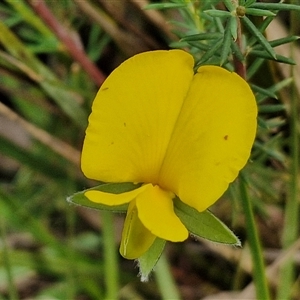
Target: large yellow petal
pixel 156 212
pixel 136 239
pixel 212 139
pixel 133 116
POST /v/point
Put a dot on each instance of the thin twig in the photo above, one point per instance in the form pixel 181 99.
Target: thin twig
pixel 156 18
pixel 125 40
pixel 239 66
pixel 112 7
pixel 43 136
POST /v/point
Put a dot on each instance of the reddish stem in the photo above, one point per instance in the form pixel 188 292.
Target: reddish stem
pixel 64 36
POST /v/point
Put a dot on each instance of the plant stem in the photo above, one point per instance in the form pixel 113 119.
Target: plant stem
pixel 165 280
pixel 262 290
pixel 291 223
pixel 111 272
pixel 239 66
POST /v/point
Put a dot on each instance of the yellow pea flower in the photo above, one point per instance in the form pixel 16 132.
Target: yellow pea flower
pixel 181 134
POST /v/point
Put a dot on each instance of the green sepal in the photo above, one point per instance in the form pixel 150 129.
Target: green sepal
pixel 149 259
pixel 113 188
pixel 204 224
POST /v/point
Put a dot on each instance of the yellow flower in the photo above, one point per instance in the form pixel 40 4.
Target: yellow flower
pixel 155 122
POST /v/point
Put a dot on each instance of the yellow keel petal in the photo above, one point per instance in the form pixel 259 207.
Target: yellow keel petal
pixel 155 210
pixel 136 239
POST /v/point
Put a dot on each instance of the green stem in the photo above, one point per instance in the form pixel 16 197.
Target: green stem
pixel 13 294
pixel 165 280
pixel 291 222
pixel 262 290
pixel 111 272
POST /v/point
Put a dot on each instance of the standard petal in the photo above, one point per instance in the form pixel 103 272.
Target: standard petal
pixel 133 116
pixel 156 212
pixel 114 199
pixel 212 139
pixel 136 239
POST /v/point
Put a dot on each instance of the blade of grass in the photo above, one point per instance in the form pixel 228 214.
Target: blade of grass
pixel 68 100
pixel 165 281
pixel 262 290
pixel 12 291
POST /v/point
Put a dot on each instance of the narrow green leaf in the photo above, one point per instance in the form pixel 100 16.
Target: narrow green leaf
pixel 229 5
pixel 259 12
pixel 280 85
pixel 262 123
pixel 279 58
pixel 149 259
pixel 262 27
pixel 113 188
pixel 254 67
pixel 215 13
pixel 275 122
pixel 159 6
pixel 249 2
pixel 263 91
pixel 202 36
pixel 202 46
pixel 204 224
pixel 211 52
pixel 225 50
pixel 261 39
pixel 271 108
pixel 234 27
pixel 282 41
pixel 179 45
pixel 270 151
pixel 275 6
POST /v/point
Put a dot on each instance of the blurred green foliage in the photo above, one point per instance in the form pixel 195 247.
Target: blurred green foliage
pixel 53 57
